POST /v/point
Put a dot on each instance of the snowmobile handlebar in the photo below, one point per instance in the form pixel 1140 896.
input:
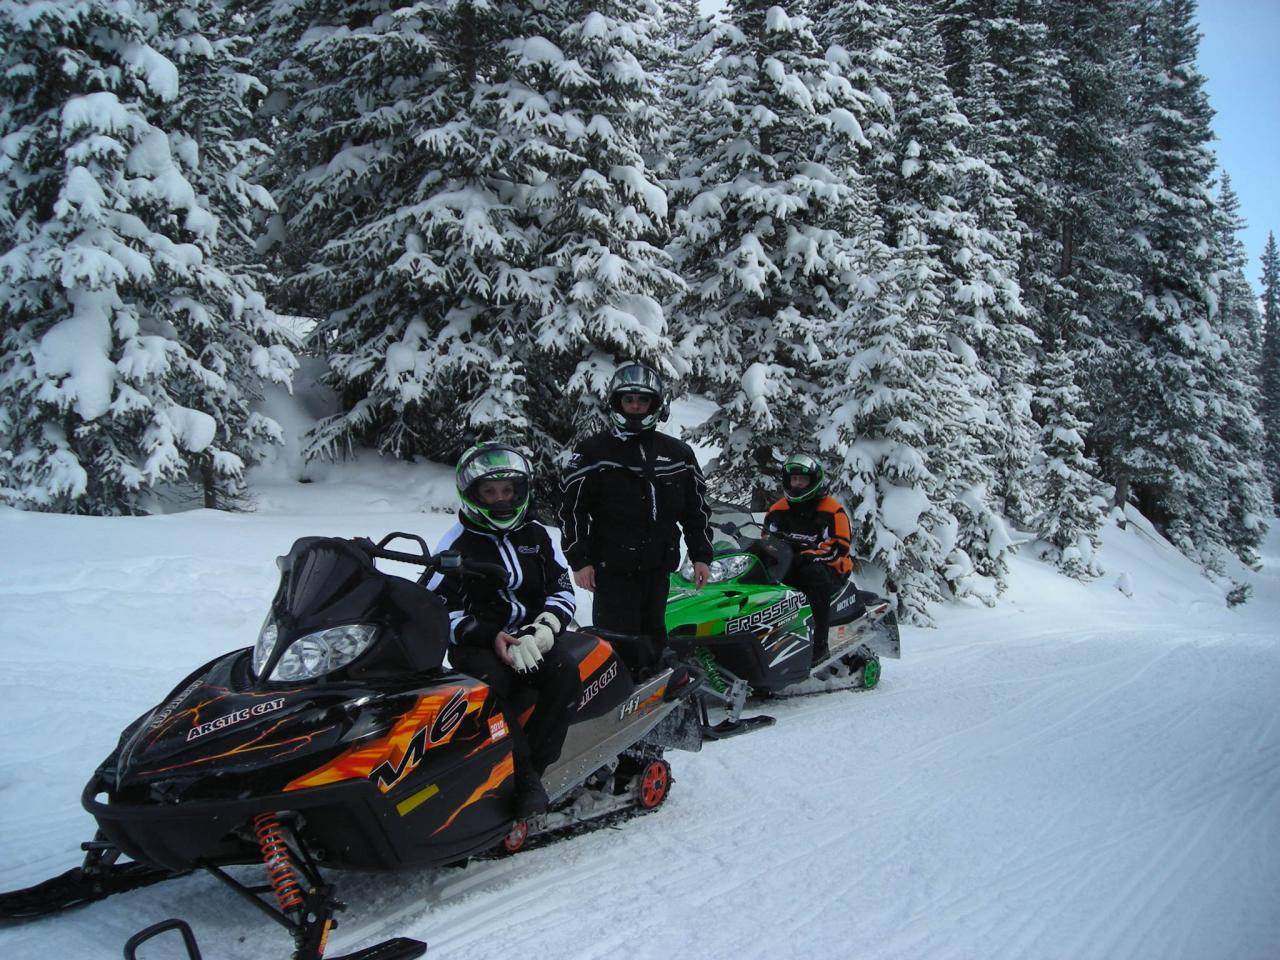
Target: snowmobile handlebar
pixel 447 562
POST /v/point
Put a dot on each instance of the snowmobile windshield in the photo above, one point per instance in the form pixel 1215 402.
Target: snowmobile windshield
pixel 775 557
pixel 735 522
pixel 324 581
pixel 325 613
pixel 334 610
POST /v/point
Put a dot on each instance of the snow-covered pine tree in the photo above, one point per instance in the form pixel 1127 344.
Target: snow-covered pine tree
pixel 959 207
pixel 402 207
pixel 588 106
pixel 881 401
pixel 1169 397
pixel 761 236
pixel 235 354
pixel 1007 79
pixel 1243 485
pixel 1068 524
pixel 1269 365
pixel 132 337
pixel 677 65
pixel 1089 249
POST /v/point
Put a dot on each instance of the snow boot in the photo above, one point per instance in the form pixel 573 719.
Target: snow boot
pixel 531 796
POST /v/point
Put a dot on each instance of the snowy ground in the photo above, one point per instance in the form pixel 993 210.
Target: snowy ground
pixel 1076 773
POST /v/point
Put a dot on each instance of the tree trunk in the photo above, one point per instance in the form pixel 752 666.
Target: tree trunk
pixel 208 484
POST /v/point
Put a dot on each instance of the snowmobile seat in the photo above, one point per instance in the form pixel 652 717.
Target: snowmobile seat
pixel 848 603
pixel 634 649
pixel 606 682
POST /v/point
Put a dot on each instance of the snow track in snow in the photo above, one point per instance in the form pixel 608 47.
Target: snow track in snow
pixel 1071 774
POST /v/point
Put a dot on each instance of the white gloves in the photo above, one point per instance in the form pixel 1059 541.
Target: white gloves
pixel 525 655
pixel 534 640
pixel 544 628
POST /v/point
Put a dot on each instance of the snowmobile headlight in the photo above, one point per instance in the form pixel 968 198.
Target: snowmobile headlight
pixel 265 645
pixel 726 568
pixel 319 653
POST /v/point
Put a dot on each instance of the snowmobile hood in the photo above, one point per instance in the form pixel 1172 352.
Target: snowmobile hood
pixel 719 607
pixel 215 723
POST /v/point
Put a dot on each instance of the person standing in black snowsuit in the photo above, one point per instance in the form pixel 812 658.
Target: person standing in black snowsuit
pixel 626 491
pixel 504 633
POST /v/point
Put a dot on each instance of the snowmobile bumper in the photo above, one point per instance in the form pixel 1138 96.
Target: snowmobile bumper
pixel 351 824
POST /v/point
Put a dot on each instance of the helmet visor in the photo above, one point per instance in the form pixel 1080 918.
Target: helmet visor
pixel 493 464
pixel 636 378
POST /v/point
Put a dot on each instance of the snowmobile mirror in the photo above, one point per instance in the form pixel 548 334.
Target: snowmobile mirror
pixel 449 562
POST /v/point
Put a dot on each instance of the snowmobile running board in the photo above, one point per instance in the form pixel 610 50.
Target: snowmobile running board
pixel 736 728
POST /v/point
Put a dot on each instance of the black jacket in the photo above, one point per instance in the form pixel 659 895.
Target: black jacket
pixel 622 499
pixel 537 581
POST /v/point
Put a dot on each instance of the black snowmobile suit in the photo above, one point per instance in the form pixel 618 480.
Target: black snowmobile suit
pixel 537 582
pixel 624 495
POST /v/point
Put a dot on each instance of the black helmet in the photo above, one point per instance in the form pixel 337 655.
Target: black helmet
pixel 803 465
pixel 494 461
pixel 637 378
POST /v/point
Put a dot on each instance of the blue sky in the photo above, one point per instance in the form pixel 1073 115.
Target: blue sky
pixel 1240 58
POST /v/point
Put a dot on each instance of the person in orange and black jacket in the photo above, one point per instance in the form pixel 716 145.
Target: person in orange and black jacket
pixel 816 526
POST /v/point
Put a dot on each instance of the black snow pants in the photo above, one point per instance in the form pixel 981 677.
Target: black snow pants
pixel 537 745
pixel 634 603
pixel 819 583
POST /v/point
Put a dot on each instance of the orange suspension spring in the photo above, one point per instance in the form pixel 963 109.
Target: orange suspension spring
pixel 279 861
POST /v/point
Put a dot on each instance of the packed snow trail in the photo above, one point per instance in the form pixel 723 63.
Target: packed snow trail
pixel 1071 774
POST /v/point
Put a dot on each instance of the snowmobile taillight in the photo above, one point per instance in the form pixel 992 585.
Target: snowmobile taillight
pixel 319 653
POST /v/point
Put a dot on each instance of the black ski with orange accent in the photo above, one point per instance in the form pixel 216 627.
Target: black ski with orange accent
pixel 340 738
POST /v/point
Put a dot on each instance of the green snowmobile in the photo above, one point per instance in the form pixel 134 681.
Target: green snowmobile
pixel 752 635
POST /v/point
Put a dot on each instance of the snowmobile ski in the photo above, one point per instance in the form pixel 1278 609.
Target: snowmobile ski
pixel 398 948
pixel 96 879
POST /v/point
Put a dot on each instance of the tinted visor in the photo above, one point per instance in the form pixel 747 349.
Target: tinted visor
pixel 794 475
pixel 497 464
pixel 636 378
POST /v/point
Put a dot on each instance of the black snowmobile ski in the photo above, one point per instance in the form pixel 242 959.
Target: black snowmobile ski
pixel 97 878
pixel 397 948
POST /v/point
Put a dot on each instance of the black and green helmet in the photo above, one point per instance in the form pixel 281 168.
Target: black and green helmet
pixel 494 461
pixel 803 465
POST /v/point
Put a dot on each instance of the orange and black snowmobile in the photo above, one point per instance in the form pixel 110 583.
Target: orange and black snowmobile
pixel 342 739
